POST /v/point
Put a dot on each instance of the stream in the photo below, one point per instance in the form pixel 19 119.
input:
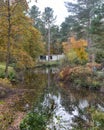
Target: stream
pixel 66 106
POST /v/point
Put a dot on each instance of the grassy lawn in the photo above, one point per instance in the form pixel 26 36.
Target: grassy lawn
pixel 2 67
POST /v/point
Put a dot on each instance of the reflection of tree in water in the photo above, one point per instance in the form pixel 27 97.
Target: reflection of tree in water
pixel 50 105
pixel 74 102
pixel 34 79
pixel 34 83
pixel 62 105
pixel 77 96
pixel 78 102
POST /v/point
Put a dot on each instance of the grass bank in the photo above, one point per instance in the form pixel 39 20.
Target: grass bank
pixel 48 64
pixel 11 71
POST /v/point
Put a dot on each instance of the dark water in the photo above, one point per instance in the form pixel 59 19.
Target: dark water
pixel 66 105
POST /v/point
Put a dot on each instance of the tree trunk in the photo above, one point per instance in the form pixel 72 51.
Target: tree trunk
pixel 89 39
pixel 48 41
pixel 8 42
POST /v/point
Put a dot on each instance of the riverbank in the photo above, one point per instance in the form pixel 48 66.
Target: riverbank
pixel 16 100
pixel 83 76
pixel 38 83
pixel 15 105
pixel 48 64
pixel 11 117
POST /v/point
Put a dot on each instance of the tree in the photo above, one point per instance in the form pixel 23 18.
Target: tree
pixel 48 16
pixel 35 15
pixel 41 22
pixel 75 50
pixel 83 13
pixel 97 27
pixel 24 39
pixel 48 19
pixel 67 27
pixel 55 40
pixel 8 6
pixel 38 23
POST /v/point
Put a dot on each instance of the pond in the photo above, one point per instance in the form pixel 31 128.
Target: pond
pixel 67 108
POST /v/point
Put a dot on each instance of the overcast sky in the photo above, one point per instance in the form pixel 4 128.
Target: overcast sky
pixel 57 5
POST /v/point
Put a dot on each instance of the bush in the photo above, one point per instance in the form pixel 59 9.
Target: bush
pixel 86 78
pixel 81 76
pixel 99 56
pixel 33 121
pixel 97 119
pixel 95 84
pixel 100 75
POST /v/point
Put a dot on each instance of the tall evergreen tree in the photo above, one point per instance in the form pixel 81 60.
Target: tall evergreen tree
pixel 48 19
pixel 87 16
pixel 35 15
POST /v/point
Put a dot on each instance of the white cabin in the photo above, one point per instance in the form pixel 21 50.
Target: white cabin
pixel 52 57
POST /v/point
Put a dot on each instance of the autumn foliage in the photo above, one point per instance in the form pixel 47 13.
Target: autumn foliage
pixel 25 40
pixel 75 49
pixel 81 76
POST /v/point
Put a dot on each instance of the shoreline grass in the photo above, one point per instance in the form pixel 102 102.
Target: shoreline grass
pixel 11 71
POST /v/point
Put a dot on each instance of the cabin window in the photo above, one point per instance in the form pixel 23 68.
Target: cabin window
pixel 43 57
pixel 51 57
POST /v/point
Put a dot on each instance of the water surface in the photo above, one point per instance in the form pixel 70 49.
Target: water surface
pixel 66 106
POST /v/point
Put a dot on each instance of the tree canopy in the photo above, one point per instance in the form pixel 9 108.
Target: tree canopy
pixel 25 40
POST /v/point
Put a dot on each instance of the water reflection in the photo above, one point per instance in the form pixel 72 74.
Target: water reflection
pixel 66 106
pixel 61 119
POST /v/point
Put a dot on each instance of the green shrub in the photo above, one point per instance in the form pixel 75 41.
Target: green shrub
pixel 99 56
pixel 95 84
pixel 97 117
pixel 100 75
pixel 12 76
pixel 33 121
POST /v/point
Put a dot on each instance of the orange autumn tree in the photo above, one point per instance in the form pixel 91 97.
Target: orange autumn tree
pixel 75 50
pixel 25 41
pixel 7 9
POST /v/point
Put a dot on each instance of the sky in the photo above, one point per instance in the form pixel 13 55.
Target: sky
pixel 57 5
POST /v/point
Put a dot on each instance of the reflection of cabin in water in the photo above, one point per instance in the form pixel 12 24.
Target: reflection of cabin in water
pixel 52 57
